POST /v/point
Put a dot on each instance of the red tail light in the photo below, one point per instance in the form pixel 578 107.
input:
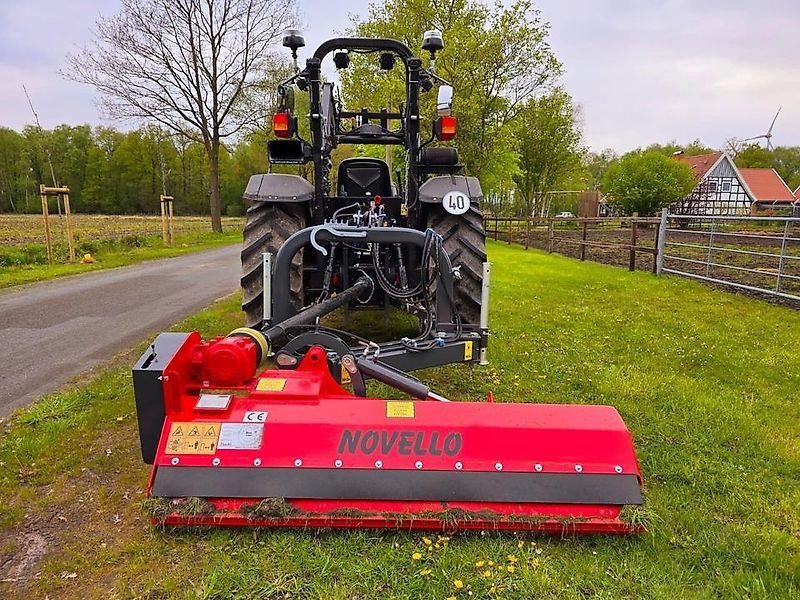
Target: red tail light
pixel 282 124
pixel 445 128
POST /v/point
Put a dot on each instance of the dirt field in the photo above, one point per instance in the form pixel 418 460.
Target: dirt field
pixel 29 229
pixel 538 238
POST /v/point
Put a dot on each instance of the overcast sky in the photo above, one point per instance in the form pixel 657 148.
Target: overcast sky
pixel 642 70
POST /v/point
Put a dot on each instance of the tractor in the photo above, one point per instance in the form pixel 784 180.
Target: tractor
pixel 388 230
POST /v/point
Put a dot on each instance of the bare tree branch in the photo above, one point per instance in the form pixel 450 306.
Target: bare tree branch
pixel 192 66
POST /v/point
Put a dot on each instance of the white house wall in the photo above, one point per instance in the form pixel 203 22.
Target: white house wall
pixel 710 197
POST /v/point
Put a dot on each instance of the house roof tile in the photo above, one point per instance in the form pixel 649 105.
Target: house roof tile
pixel 767 185
pixel 700 163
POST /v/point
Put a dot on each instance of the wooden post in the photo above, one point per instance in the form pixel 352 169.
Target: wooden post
pixel 163 204
pixel 58 192
pixel 634 239
pixel 46 215
pixel 70 240
pixel 550 234
pixel 527 232
pixel 496 225
pixel 171 221
pixel 167 217
pixel 583 239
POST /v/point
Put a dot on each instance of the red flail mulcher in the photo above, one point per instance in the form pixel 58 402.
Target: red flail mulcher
pixel 293 448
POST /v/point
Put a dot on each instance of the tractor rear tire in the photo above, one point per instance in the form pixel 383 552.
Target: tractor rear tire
pixel 267 227
pixel 465 244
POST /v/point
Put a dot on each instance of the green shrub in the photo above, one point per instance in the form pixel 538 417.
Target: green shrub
pixel 35 254
pixel 133 241
pixel 644 182
pixel 83 246
pixel 28 254
pixel 234 210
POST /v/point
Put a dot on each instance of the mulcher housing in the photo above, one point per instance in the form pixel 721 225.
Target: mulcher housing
pixel 293 448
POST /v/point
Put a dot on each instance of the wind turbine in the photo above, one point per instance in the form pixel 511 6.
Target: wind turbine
pixel 767 136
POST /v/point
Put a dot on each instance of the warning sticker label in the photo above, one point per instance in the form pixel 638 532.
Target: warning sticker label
pixel 193 438
pixel 241 436
pixel 270 384
pixel 467 350
pixel 395 409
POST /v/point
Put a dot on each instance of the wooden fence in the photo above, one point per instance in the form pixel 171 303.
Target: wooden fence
pixel 620 235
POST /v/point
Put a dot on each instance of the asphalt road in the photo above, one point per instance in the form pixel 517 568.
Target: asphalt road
pixel 55 330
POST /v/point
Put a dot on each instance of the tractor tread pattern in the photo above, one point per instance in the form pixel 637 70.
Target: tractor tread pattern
pixel 267 227
pixel 465 243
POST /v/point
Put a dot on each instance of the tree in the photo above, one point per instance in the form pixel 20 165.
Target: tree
pixel 188 65
pixel 69 148
pixel 597 164
pixel 497 58
pixel 786 161
pixel 547 137
pixel 103 176
pixel 644 182
pixel 694 148
pixel 754 156
pixel 13 169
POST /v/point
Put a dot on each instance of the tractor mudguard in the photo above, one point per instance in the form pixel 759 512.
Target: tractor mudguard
pixel 435 189
pixel 277 187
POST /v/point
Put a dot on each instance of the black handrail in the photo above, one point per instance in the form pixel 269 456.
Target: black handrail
pixel 355 43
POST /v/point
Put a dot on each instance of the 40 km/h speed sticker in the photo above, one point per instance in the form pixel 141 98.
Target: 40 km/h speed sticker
pixel 455 202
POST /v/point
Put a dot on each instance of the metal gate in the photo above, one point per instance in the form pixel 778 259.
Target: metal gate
pixel 759 254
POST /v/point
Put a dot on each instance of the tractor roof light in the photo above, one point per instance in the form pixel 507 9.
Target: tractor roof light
pixel 294 40
pixel 445 128
pixel 432 41
pixel 282 124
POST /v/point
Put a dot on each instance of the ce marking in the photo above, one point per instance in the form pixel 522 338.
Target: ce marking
pixel 255 417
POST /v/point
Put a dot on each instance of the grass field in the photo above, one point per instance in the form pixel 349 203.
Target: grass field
pixel 707 382
pixel 113 240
